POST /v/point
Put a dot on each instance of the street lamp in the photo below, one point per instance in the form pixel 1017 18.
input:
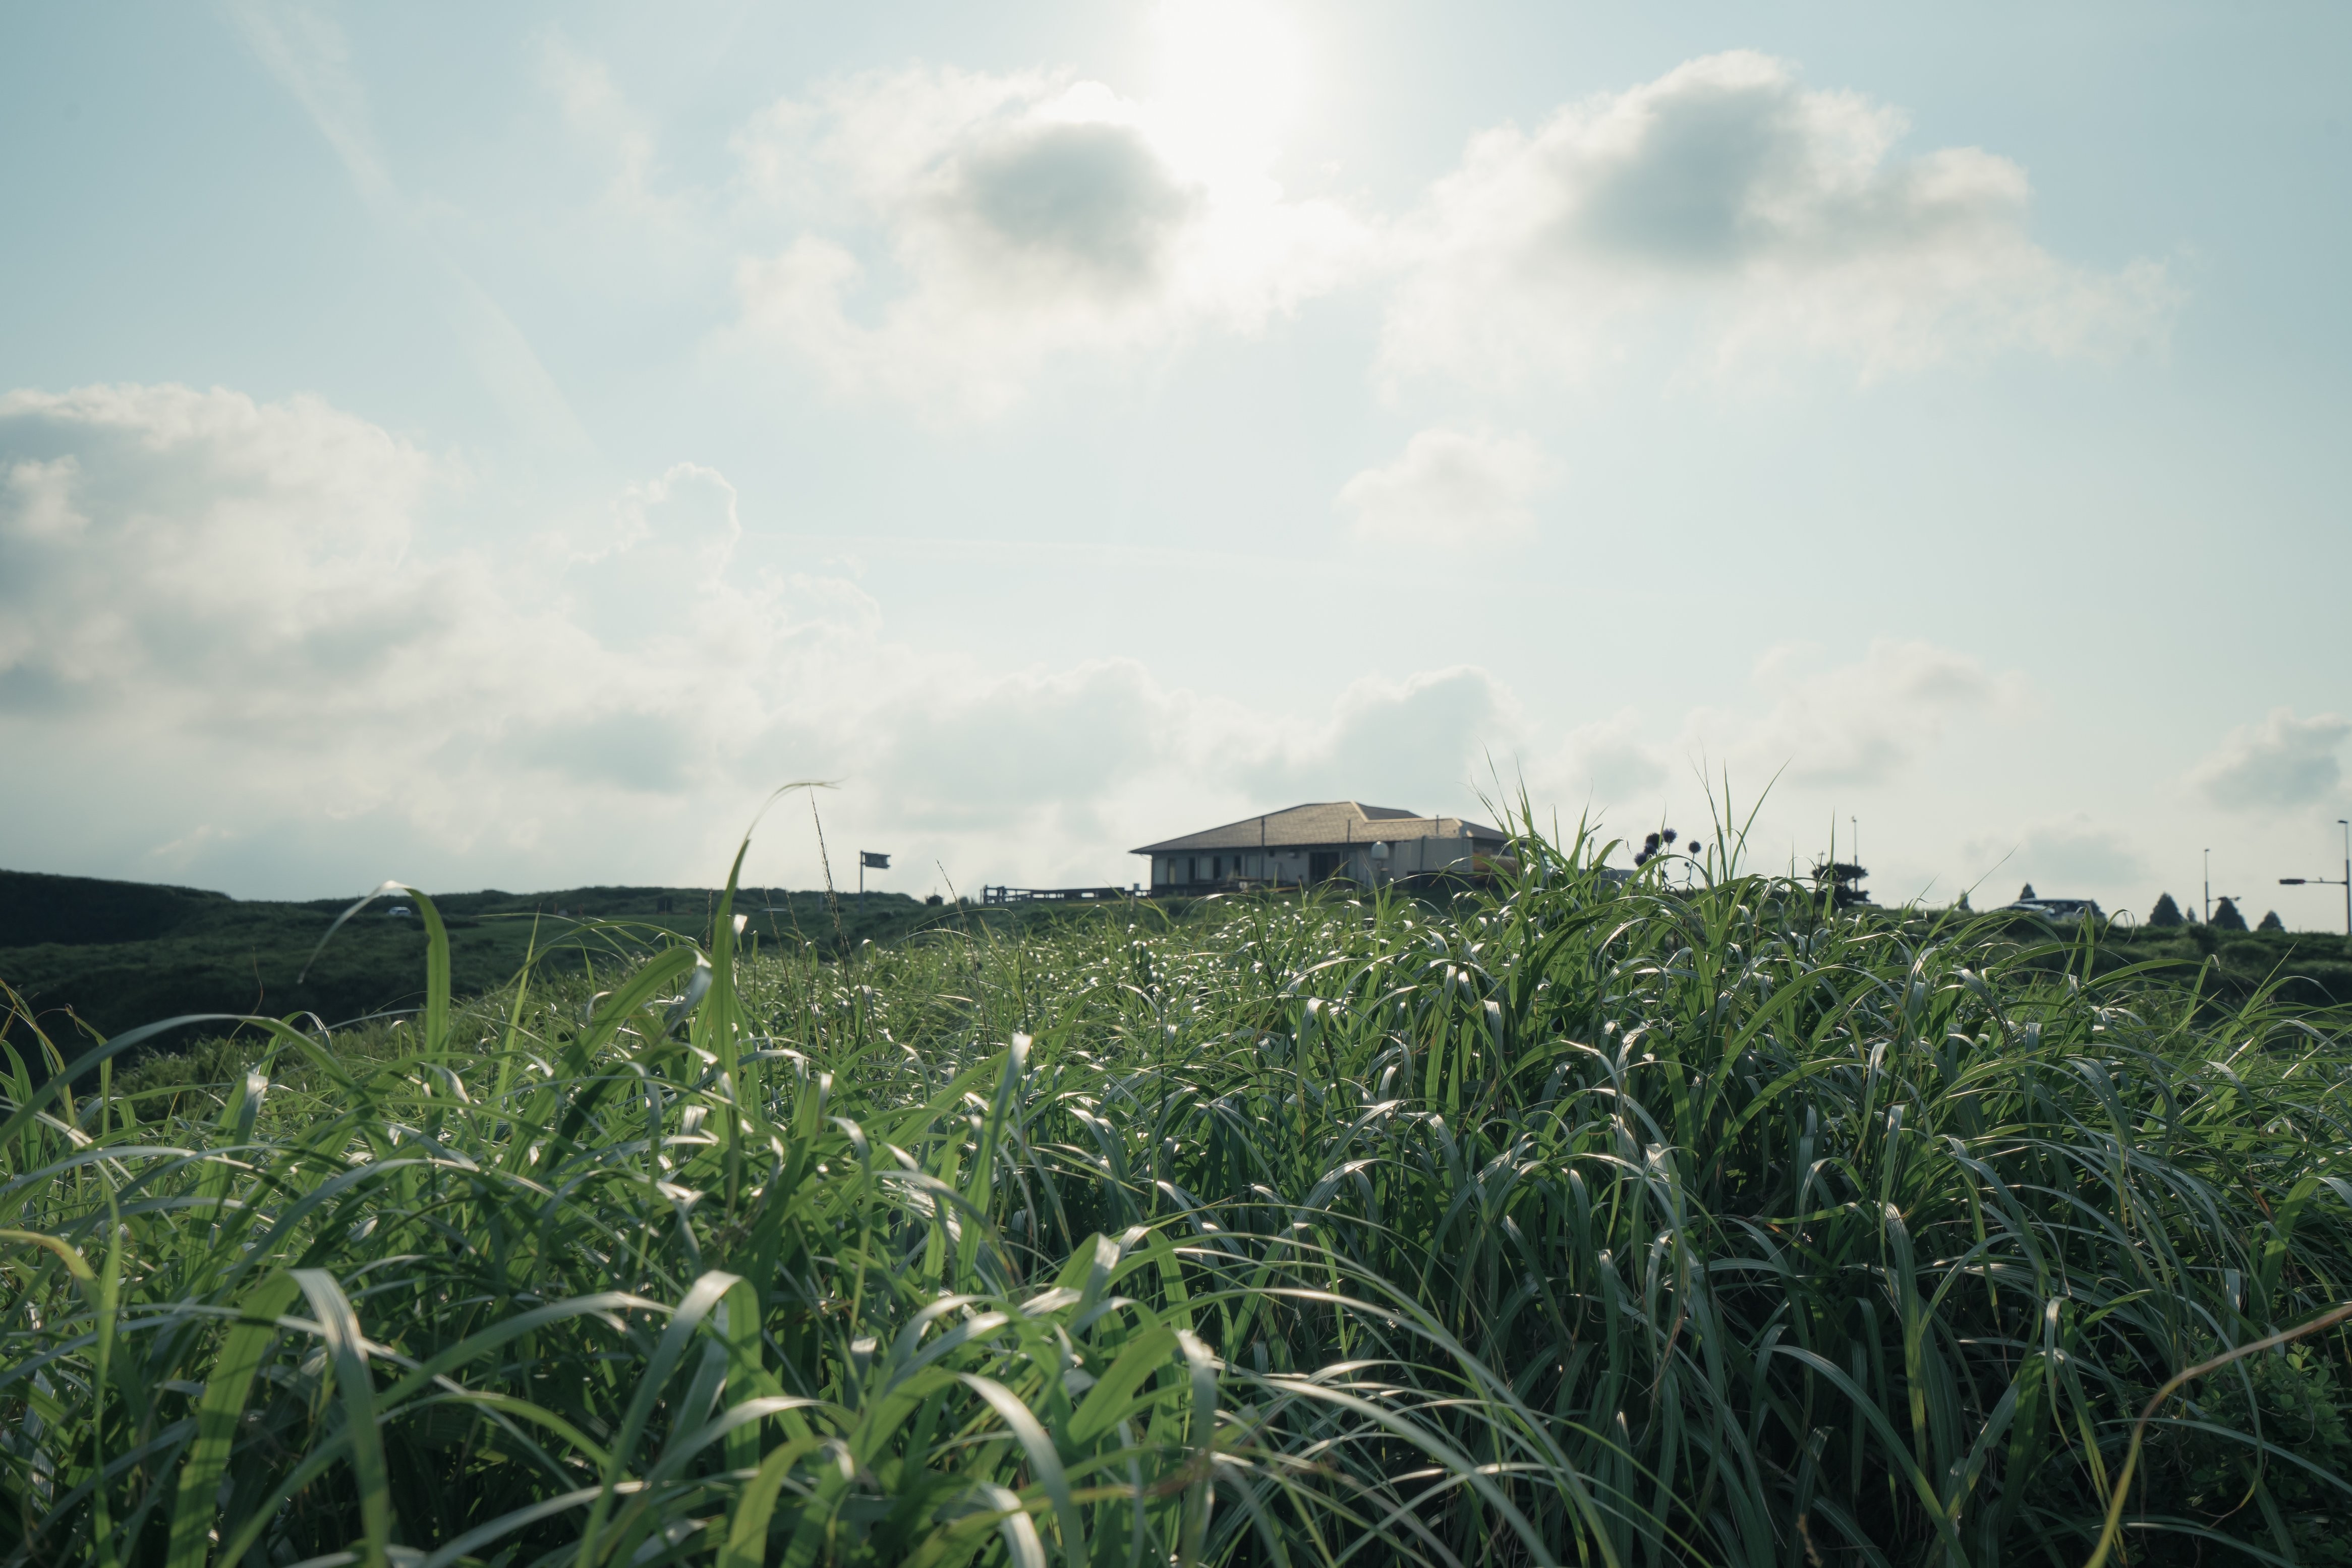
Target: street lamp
pixel 2344 881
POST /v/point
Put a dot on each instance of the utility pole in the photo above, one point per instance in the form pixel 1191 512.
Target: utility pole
pixel 2209 887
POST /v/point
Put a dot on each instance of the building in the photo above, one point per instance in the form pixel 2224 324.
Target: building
pixel 1318 842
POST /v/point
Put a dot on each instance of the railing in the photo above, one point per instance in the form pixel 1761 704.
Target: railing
pixel 1003 895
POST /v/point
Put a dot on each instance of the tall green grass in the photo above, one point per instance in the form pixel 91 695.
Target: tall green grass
pixel 1568 1223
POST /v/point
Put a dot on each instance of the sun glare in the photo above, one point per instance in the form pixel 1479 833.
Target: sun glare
pixel 1230 77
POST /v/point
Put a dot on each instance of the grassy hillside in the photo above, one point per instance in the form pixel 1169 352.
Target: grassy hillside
pixel 1574 1223
pixel 2300 968
pixel 116 955
pixel 2304 967
pixel 37 909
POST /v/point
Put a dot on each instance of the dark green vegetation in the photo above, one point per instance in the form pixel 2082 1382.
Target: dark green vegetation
pixel 2299 968
pixel 1570 1223
pixel 116 955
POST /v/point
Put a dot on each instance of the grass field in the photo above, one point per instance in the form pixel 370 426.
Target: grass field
pixel 1565 1223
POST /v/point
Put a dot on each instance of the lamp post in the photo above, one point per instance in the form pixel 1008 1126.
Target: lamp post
pixel 2209 887
pixel 2344 881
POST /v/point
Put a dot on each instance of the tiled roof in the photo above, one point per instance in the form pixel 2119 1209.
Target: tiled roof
pixel 1325 823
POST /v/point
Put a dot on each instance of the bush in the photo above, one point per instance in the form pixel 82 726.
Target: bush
pixel 2269 1426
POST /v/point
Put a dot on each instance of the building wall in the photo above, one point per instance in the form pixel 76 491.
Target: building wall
pixel 1406 857
pixel 1224 865
pixel 1427 857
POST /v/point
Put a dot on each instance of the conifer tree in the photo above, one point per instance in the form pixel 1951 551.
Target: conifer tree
pixel 2027 896
pixel 2166 912
pixel 2227 918
pixel 2270 922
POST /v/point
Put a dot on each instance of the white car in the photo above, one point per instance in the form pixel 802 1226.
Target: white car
pixel 2062 908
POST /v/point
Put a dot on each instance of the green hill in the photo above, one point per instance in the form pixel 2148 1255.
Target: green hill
pixel 110 955
pixel 37 908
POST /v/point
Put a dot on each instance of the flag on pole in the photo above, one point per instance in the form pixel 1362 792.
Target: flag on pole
pixel 869 858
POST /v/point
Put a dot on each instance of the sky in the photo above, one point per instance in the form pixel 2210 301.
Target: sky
pixel 500 446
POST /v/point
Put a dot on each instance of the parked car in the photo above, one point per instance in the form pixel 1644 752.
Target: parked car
pixel 2061 909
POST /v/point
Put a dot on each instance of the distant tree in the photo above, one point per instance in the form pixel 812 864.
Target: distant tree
pixel 1964 906
pixel 2227 918
pixel 2270 922
pixel 2166 912
pixel 2028 893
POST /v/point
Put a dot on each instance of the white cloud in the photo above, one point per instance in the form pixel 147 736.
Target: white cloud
pixel 2069 857
pixel 234 614
pixel 604 119
pixel 1803 727
pixel 2080 851
pixel 964 229
pixel 1607 760
pixel 1778 218
pixel 279 667
pixel 161 539
pixel 1450 488
pixel 2281 761
pixel 1857 723
pixel 1426 738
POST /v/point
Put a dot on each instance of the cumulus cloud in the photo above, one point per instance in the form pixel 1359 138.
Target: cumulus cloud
pixel 962 229
pixel 271 656
pixel 1449 488
pixel 2080 851
pixel 622 139
pixel 197 568
pixel 1803 724
pixel 1857 723
pixel 1779 217
pixel 2069 857
pixel 1607 760
pixel 1425 737
pixel 2281 761
pixel 164 540
pixel 236 615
